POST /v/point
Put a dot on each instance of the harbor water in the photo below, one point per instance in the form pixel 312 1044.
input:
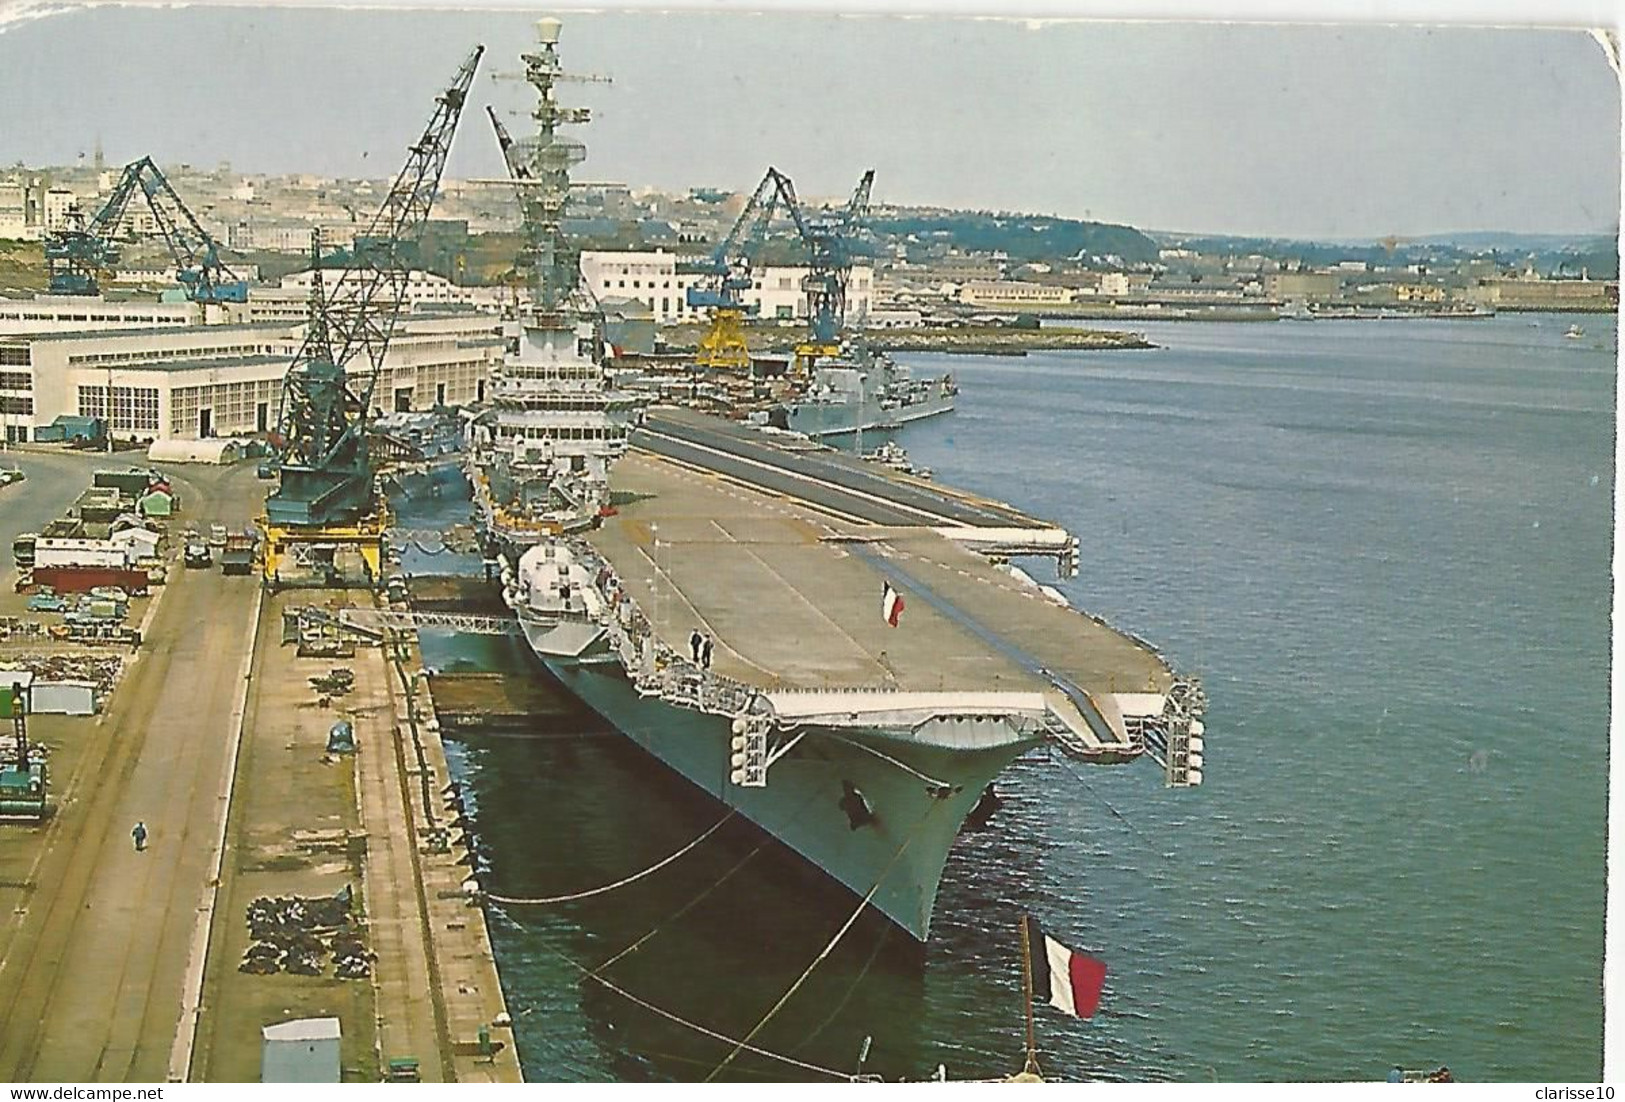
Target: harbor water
pixel 1384 545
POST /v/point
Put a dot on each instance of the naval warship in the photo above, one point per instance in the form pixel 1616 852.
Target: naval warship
pixel 862 392
pixel 742 618
pixel 737 607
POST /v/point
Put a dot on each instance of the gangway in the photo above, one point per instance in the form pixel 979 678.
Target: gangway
pixel 378 623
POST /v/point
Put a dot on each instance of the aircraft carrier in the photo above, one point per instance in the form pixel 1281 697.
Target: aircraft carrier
pixel 860 743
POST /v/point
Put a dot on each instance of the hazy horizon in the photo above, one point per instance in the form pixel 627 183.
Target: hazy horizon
pixel 1293 132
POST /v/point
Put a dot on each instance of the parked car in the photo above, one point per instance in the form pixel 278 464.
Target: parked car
pixel 197 554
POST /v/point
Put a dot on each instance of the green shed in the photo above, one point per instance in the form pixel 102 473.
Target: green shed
pixel 156 504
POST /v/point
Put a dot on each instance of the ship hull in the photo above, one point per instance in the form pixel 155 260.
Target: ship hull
pixel 808 803
pixel 834 419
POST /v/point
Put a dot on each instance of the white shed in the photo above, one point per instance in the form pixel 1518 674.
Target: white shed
pixel 139 543
pixel 213 450
pixel 64 698
pixel 305 1050
pixel 17 678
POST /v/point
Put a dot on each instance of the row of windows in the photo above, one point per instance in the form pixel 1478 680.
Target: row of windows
pixel 129 319
pixel 637 284
pixel 182 354
pixel 20 405
pixel 135 409
pixel 252 406
pixel 15 356
pixel 617 432
pixel 15 380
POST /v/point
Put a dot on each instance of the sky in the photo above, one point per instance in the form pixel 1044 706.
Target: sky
pixel 1270 130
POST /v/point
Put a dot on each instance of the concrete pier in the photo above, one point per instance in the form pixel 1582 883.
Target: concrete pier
pixel 310 823
pixel 118 965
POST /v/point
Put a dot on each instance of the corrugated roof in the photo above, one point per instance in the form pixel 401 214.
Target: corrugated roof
pixel 155 330
pixel 211 364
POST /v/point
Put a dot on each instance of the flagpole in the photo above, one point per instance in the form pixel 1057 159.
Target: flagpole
pixel 1031 1067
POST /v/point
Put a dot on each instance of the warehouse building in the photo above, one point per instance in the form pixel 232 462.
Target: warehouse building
pixel 196 382
pixel 44 313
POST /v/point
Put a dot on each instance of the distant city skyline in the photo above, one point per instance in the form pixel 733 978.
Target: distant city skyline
pixel 1251 130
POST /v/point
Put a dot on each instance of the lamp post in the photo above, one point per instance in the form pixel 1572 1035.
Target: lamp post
pixel 660 618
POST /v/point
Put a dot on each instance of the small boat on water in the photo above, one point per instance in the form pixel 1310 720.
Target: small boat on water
pixel 893 455
pixel 1575 333
pixel 1441 1074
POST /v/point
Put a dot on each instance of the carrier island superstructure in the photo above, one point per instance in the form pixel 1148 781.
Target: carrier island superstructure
pixel 539 454
pixel 860 742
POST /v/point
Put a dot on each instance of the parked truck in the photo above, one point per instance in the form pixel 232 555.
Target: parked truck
pixel 238 555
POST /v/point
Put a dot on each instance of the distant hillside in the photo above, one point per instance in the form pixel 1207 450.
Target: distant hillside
pixel 1552 254
pixel 1527 242
pixel 22 266
pixel 1020 236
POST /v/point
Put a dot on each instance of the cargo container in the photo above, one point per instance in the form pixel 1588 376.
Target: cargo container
pixel 82 579
pixel 79 552
pixel 102 506
pixel 130 482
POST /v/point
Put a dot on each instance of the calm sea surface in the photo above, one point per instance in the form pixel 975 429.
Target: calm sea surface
pixel 1385 547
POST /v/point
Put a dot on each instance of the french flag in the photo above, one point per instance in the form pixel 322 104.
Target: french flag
pixel 891 604
pixel 1071 980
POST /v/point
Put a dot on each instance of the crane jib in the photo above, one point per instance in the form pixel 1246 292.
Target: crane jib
pixel 326 475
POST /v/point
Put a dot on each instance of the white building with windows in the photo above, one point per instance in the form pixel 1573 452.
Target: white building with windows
pixel 421 287
pixel 17 218
pixel 44 313
pixel 196 381
pixel 776 293
pixel 1011 292
pixel 59 201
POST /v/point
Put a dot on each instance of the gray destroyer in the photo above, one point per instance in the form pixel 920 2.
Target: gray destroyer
pixel 863 393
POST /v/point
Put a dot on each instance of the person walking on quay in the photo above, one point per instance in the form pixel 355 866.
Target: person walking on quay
pixel 694 641
pixel 140 836
pixel 705 653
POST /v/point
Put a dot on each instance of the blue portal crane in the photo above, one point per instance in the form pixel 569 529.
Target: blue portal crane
pixel 78 257
pixel 829 236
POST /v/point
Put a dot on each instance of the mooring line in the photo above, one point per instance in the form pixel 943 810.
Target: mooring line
pixel 684 909
pixel 819 959
pixel 621 883
pixel 695 1026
